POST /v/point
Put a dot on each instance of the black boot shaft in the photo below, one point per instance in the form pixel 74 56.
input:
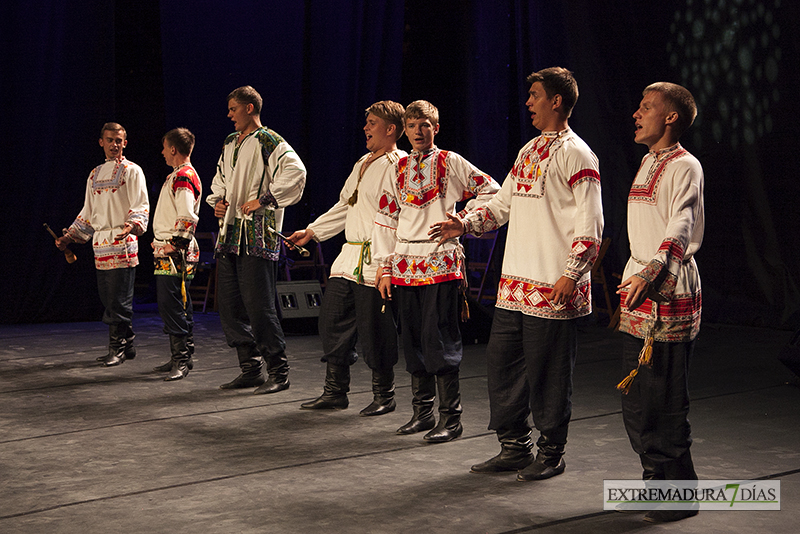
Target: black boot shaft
pixel 179 349
pixel 423 389
pixel 382 394
pixel 449 426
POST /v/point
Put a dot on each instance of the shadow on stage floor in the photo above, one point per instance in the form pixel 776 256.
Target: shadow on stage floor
pixel 87 449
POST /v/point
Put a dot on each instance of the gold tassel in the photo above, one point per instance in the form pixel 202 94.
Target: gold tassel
pixel 183 278
pixel 646 354
pixel 625 385
pixel 464 306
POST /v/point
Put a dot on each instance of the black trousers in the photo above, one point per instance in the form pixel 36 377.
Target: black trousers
pixel 246 288
pixel 178 321
pixel 656 409
pixel 116 293
pixel 530 362
pixel 351 314
pixel 429 327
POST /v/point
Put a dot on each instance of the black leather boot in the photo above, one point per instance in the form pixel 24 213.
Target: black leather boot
pixel 130 349
pixel 334 394
pixel 112 343
pixel 190 341
pixel 424 390
pixel 278 380
pixel 515 453
pixel 190 346
pixel 167 367
pixel 549 459
pixel 164 367
pixel 180 358
pixel 116 345
pixel 449 426
pixel 252 365
pixel 382 394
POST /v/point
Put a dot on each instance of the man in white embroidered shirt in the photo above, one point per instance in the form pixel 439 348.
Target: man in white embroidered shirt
pixel 115 212
pixel 660 292
pixel 425 276
pixel 552 203
pixel 258 175
pixel 175 250
pixel 351 310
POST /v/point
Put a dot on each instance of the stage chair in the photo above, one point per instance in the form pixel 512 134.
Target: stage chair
pixel 480 263
pixel 599 281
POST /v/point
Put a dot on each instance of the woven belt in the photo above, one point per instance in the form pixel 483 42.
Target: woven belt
pixel 364 258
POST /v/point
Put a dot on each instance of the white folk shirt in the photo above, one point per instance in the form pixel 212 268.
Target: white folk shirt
pixel 116 193
pixel 355 262
pixel 425 187
pixel 262 166
pixel 177 212
pixel 552 202
pixel 665 226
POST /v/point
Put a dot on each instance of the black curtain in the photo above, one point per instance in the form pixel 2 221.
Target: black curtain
pixel 67 68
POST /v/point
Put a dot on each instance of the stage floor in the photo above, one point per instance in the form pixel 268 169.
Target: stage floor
pixel 87 449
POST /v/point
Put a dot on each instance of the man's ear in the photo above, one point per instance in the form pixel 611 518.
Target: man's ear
pixel 557 101
pixel 671 118
pixel 250 108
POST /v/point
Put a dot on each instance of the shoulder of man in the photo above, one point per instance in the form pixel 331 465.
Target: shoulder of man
pixel 574 145
pixel 688 161
pixel 186 172
pixel 452 157
pixel 688 156
pixel 268 137
pixel 571 138
pixel 395 156
pixel 187 177
pixel 129 165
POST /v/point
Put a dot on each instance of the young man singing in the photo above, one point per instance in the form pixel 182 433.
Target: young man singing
pixel 352 308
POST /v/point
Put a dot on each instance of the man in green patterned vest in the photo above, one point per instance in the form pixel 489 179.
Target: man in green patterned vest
pixel 258 174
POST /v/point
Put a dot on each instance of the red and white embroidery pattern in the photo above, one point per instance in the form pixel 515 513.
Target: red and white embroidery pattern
pixel 533 298
pixel 647 190
pixel 430 269
pixel 530 169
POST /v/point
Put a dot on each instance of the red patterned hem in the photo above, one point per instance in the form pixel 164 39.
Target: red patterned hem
pixel 426 281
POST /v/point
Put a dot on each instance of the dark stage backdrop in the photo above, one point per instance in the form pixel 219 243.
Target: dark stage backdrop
pixel 68 67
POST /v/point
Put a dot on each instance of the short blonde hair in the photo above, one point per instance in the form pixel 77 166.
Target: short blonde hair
pixel 391 112
pixel 422 109
pixel 678 99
